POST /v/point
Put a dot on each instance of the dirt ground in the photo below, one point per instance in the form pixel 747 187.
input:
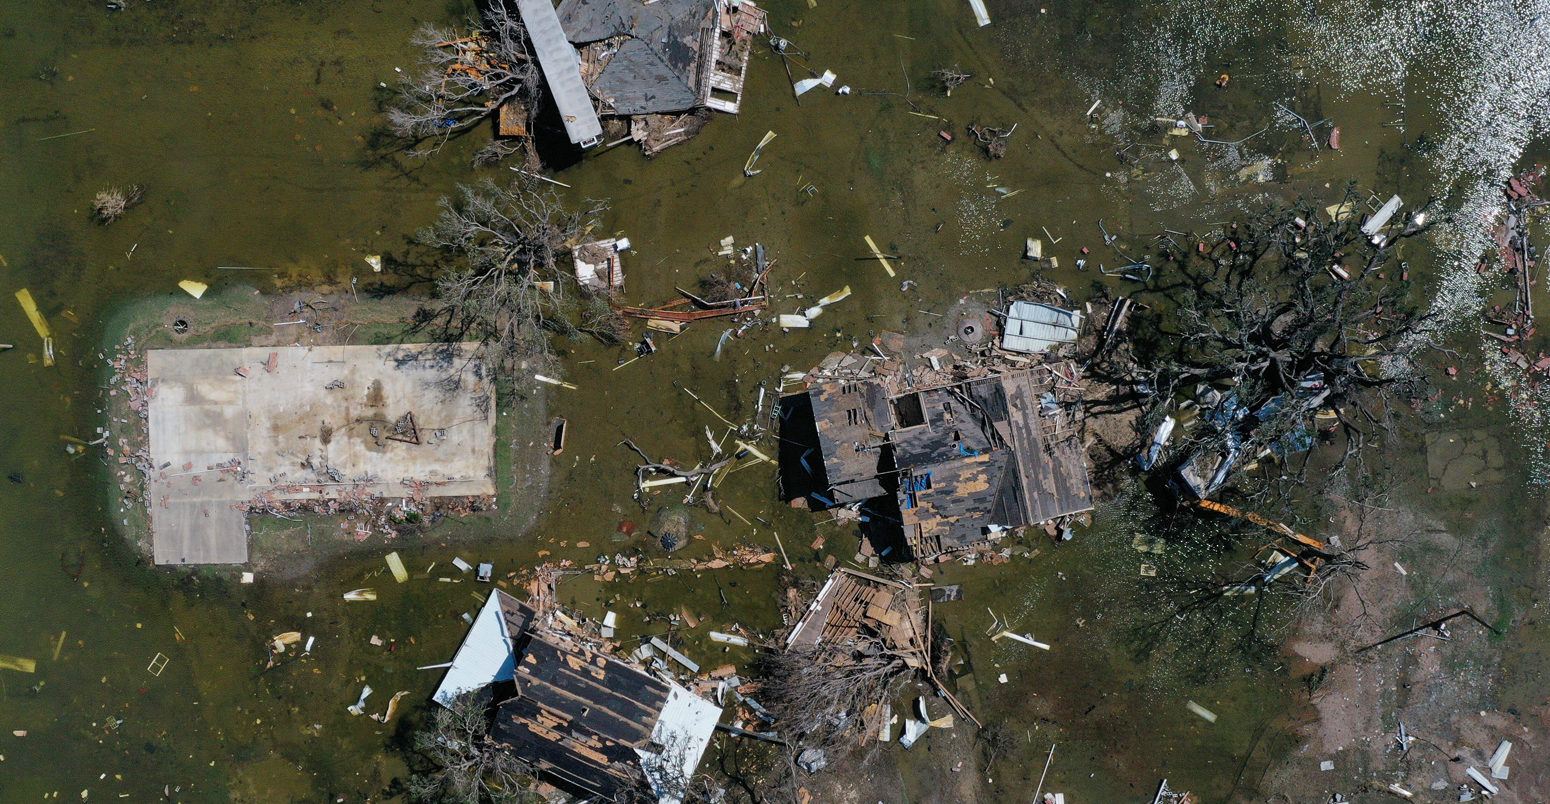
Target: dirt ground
pixel 1444 687
pixel 943 769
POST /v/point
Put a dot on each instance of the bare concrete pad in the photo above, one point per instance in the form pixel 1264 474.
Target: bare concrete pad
pixel 228 426
pixel 200 532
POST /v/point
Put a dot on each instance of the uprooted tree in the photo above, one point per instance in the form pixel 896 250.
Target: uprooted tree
pixel 950 78
pixel 461 764
pixel 504 285
pixel 821 696
pixel 1287 324
pixel 464 78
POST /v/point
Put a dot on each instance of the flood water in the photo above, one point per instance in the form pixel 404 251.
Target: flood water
pixel 250 126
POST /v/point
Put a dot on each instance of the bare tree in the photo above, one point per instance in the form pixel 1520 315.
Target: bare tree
pixel 998 740
pixel 1287 315
pixel 109 205
pixel 507 287
pixel 463 764
pixel 950 78
pixel 818 694
pixel 465 78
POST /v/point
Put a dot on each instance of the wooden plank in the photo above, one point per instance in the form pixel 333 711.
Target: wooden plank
pixel 876 252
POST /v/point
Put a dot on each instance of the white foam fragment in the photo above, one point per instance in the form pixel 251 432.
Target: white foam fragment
pixel 1485 784
pixel 1206 714
pixel 1499 758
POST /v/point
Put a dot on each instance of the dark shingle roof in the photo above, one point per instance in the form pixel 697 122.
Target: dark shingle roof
pixel 658 68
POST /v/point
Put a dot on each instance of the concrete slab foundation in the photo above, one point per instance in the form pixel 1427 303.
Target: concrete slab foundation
pixel 234 429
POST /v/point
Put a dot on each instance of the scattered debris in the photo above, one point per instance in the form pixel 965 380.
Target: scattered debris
pixel 992 139
pixel 693 308
pixel 1167 795
pixel 1480 779
pixel 599 267
pixel 39 323
pixel 359 707
pixel 1038 328
pixel 392 707
pixel 1023 638
pixel 19 664
pixel 807 84
pixel 876 252
pixel 552 381
pixel 729 639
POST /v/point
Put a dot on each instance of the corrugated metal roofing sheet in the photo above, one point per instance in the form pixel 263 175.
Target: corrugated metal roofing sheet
pixel 562 70
pixel 1034 328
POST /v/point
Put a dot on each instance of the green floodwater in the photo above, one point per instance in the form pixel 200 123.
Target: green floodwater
pixel 250 123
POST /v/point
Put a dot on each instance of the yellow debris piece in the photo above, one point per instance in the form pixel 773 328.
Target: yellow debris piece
pixel 396 564
pixel 192 288
pixel 30 307
pixel 878 254
pixel 18 664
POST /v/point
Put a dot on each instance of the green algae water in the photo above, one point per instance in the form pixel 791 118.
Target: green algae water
pixel 251 127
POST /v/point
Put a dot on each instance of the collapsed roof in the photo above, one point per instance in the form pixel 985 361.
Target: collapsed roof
pixel 657 58
pixel 984 454
pixel 962 460
pixel 583 718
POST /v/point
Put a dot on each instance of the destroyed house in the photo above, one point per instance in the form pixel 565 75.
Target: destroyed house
pixel 657 64
pixel 663 56
pixel 962 461
pixel 650 60
pixel 588 722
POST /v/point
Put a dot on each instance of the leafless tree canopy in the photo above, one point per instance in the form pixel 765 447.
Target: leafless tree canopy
pixel 109 205
pixel 464 766
pixel 950 78
pixel 1209 600
pixel 507 286
pixel 465 78
pixel 1263 312
pixel 821 693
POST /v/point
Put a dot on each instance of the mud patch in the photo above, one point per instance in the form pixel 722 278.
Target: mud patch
pixel 1464 459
